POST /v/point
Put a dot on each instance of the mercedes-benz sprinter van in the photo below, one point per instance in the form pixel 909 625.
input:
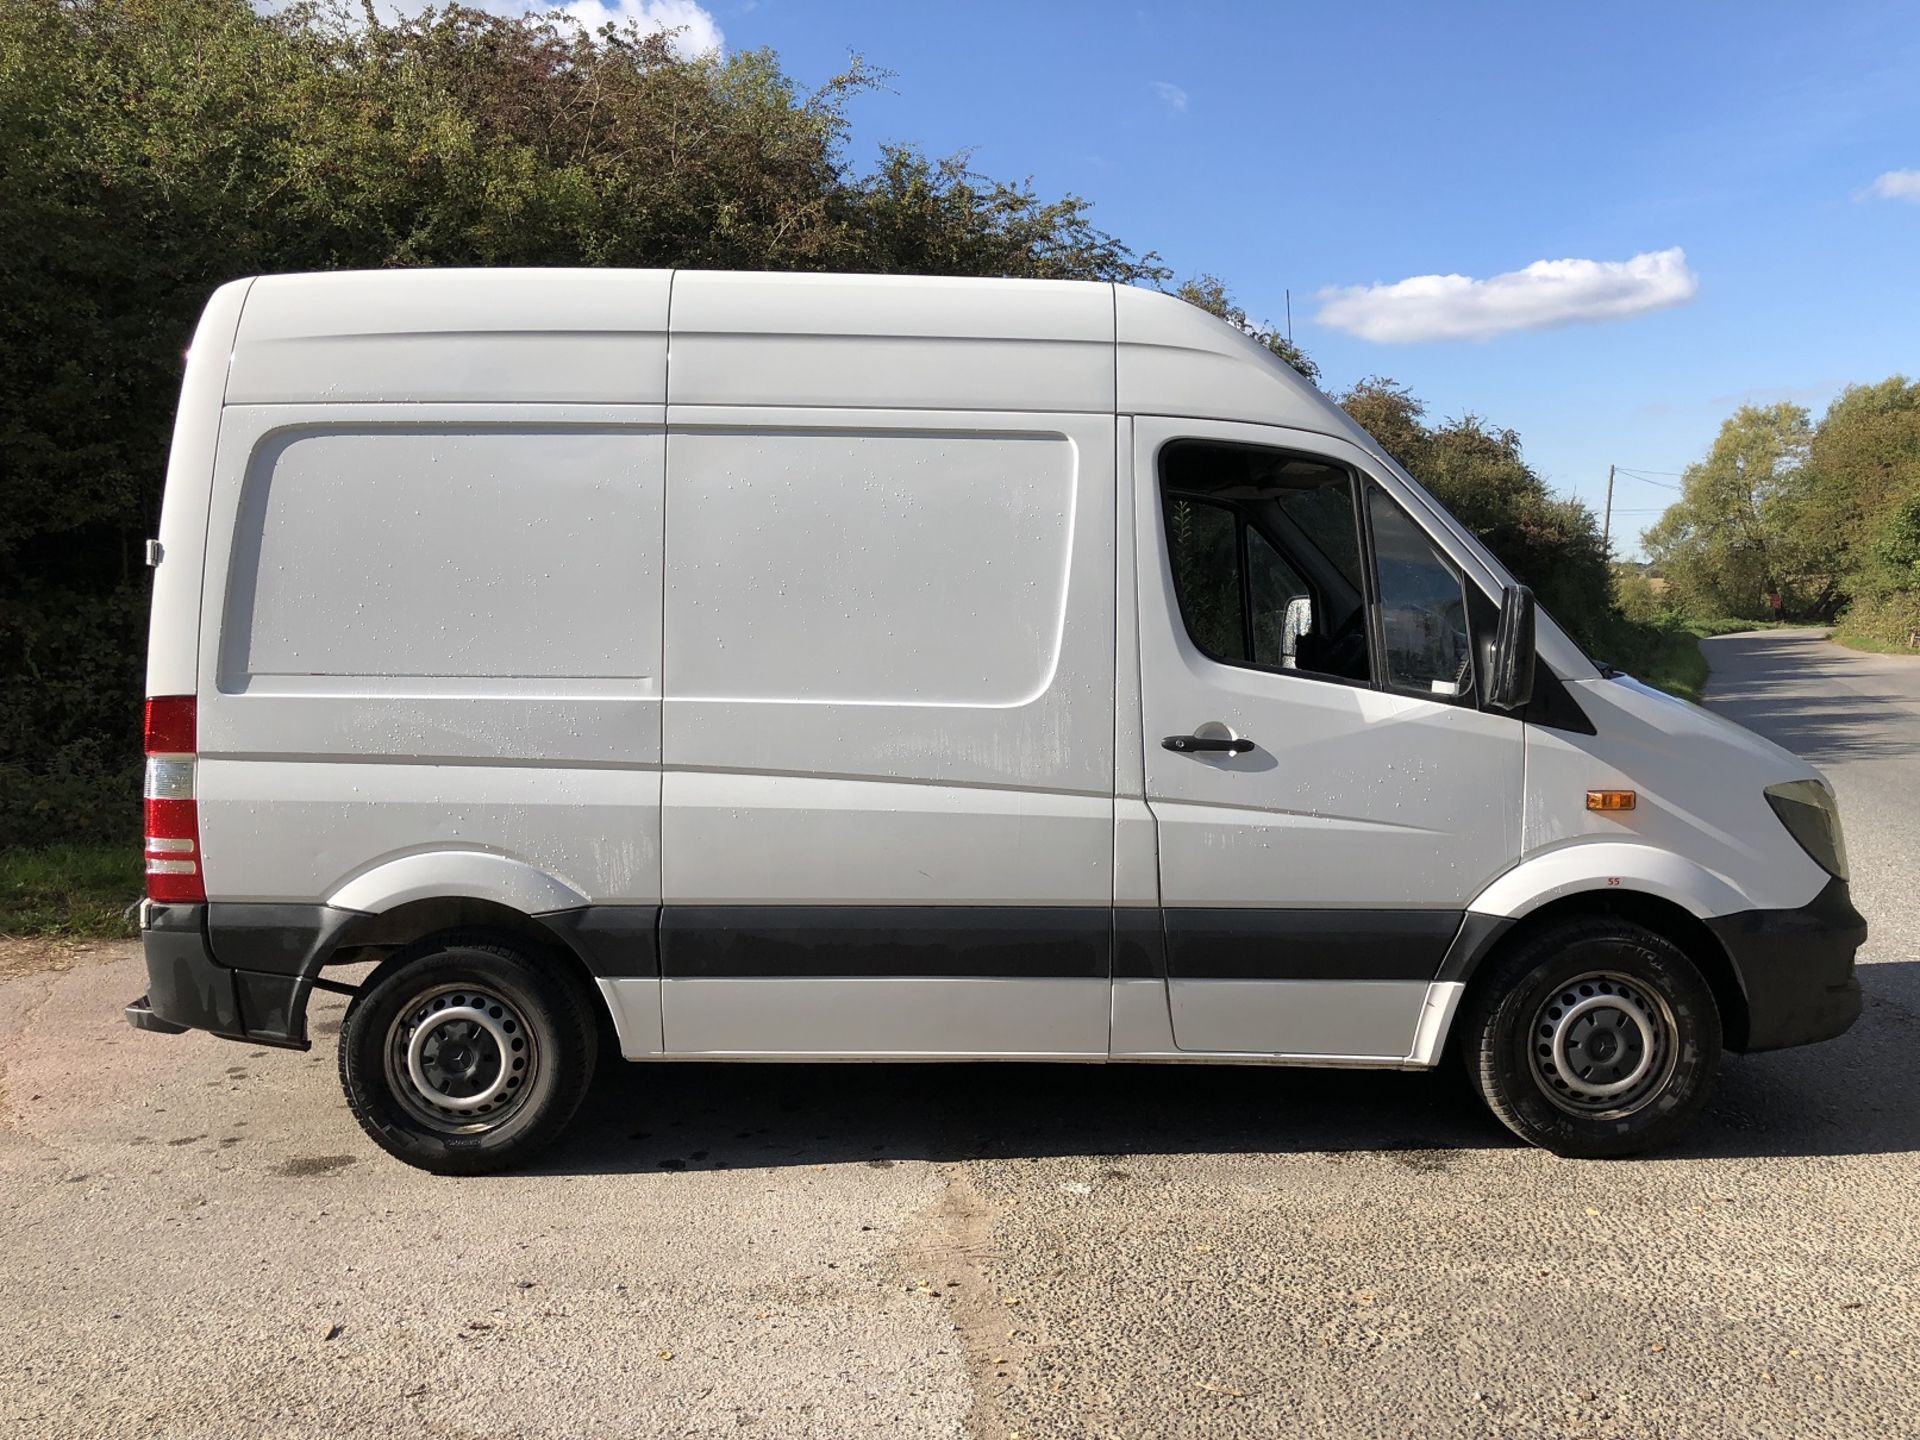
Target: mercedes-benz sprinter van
pixel 818 667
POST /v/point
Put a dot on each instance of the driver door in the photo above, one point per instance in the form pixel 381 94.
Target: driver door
pixel 1312 882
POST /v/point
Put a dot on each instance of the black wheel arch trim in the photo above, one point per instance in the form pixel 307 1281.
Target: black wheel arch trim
pixel 1783 976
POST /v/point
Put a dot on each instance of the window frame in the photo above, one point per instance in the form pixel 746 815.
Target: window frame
pixel 1363 486
pixel 1243 519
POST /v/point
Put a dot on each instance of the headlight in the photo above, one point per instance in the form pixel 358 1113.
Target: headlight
pixel 1812 816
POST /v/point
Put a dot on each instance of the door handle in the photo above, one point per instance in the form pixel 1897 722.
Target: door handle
pixel 1212 744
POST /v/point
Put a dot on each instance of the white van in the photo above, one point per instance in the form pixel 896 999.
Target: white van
pixel 824 667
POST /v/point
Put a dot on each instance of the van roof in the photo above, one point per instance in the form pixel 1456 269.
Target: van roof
pixel 600 336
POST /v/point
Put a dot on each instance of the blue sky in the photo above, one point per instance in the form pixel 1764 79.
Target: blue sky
pixel 1315 147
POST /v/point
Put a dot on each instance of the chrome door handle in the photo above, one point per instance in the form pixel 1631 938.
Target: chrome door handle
pixel 1213 744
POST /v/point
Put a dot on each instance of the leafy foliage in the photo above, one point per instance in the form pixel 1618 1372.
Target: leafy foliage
pixel 1737 533
pixel 1863 486
pixel 1828 514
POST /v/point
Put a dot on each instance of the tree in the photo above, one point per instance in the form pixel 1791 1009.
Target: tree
pixel 1210 293
pixel 1862 475
pixel 1738 532
pixel 1393 417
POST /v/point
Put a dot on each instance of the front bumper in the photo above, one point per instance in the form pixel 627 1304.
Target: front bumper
pixel 187 989
pixel 1795 969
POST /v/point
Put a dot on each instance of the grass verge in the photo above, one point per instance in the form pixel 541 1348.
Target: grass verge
pixel 1872 644
pixel 1663 653
pixel 74 892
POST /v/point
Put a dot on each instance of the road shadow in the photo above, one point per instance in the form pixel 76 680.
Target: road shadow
pixel 1858 1095
pixel 1762 684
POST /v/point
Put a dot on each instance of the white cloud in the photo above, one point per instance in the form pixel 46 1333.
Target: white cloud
pixel 699 32
pixel 1172 95
pixel 1547 293
pixel 1896 185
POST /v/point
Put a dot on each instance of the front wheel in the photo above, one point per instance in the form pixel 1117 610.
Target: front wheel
pixel 1593 1039
pixel 463 1056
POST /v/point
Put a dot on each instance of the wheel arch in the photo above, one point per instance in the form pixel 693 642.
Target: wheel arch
pixel 430 875
pixel 1476 960
pixel 413 898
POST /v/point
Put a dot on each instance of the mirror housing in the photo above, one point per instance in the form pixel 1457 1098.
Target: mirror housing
pixel 1510 663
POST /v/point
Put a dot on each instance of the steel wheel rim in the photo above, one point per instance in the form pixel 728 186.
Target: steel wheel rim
pixel 461 1059
pixel 1603 1045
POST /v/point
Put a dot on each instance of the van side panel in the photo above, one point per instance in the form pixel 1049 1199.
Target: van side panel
pixel 889 622
pixel 466 336
pixel 893 342
pixel 889 660
pixel 432 629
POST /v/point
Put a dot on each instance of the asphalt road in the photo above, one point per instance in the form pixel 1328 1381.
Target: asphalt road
pixel 198 1242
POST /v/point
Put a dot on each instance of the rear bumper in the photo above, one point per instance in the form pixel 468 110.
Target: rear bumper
pixel 1795 969
pixel 141 1017
pixel 187 989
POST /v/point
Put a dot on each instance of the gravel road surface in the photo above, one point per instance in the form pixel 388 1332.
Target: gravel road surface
pixel 198 1241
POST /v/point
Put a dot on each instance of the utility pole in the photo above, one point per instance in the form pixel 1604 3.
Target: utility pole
pixel 1289 295
pixel 1606 525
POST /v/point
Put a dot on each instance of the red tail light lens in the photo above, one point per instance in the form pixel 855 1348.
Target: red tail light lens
pixel 173 816
pixel 170 725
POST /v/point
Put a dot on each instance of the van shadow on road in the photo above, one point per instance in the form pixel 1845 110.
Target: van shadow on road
pixel 1857 1095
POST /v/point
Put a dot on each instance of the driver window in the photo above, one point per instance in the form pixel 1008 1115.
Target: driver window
pixel 1264 548
pixel 1423 612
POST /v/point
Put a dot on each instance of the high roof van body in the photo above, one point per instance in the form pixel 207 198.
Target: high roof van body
pixel 809 667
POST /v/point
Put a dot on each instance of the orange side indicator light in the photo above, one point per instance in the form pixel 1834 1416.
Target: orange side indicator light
pixel 1610 799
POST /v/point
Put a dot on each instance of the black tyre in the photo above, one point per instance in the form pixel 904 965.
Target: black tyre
pixel 462 1056
pixel 1592 1039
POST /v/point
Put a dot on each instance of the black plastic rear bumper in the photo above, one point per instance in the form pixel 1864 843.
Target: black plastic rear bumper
pixel 187 989
pixel 1795 969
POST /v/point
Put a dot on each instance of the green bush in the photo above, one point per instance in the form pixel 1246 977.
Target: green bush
pixel 1886 623
pixel 70 723
pixel 1636 597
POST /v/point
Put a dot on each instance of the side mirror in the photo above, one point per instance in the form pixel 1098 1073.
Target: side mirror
pixel 1510 667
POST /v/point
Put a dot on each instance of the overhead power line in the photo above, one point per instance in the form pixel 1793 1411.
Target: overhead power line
pixel 1643 477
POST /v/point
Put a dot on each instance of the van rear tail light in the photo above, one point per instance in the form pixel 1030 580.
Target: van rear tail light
pixel 173 816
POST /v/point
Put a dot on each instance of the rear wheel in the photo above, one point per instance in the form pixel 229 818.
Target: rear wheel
pixel 1595 1038
pixel 461 1055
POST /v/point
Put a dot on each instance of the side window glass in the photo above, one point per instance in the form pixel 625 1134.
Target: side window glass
pixel 1423 612
pixel 1265 552
pixel 1203 543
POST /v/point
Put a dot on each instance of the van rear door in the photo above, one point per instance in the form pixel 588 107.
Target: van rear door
pixel 1327 793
